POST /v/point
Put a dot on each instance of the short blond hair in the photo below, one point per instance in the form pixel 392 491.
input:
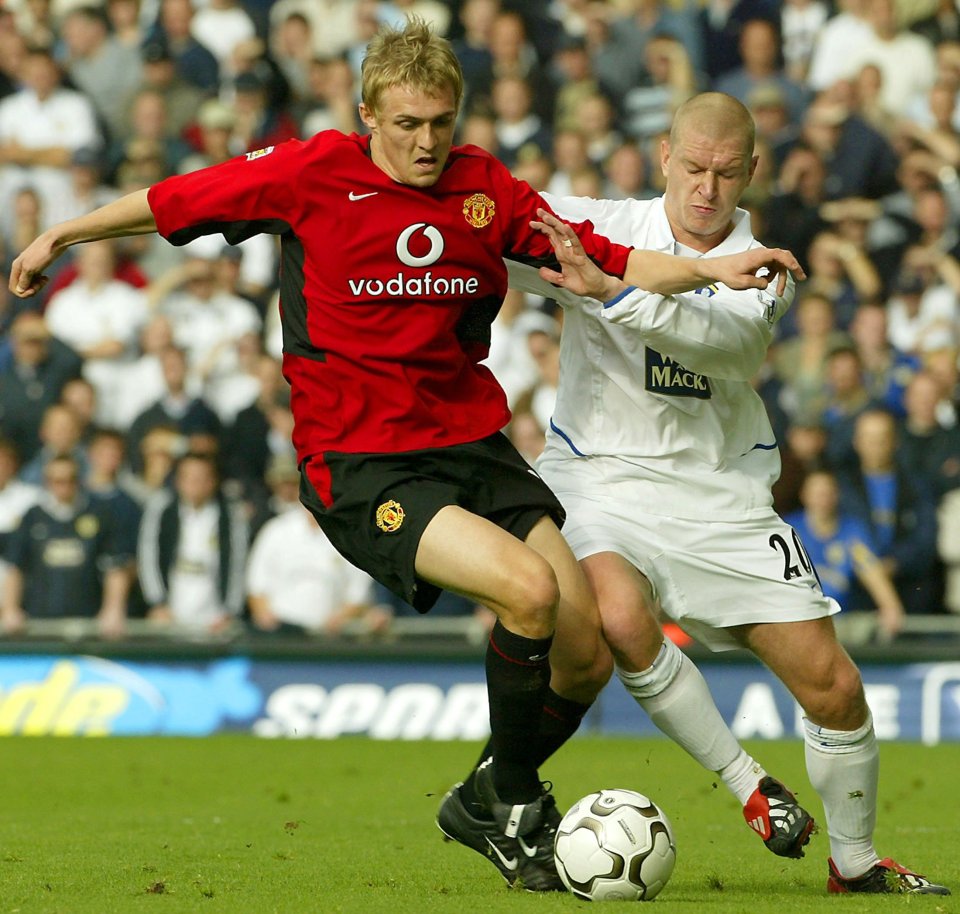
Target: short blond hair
pixel 415 57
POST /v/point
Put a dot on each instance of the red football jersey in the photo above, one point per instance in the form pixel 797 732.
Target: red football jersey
pixel 387 291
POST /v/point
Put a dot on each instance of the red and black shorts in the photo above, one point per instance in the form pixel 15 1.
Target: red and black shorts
pixel 375 507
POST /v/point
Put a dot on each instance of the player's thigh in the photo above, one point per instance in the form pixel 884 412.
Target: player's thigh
pixel 626 603
pixel 807 657
pixel 579 658
pixel 465 553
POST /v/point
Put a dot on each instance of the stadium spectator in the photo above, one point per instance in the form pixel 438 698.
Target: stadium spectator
pixel 597 118
pixel 80 397
pixel 849 27
pixel 258 122
pixel 569 155
pixel 904 60
pixel 157 456
pixel 260 431
pixel 60 435
pixel 762 68
pixel 721 24
pixel 66 559
pixel 297 581
pixel 148 119
pixel 800 362
pixel 842 273
pixel 618 60
pixel 219 26
pixel 925 446
pixel 193 62
pixel 160 73
pixel 922 311
pixel 801 22
pixel 124 19
pixel 860 161
pixel 16 497
pixel 948 547
pixel 94 58
pixel 802 447
pixel 100 318
pixel 330 103
pixel 177 408
pixel 626 174
pixel 576 80
pixel 518 126
pixel 899 507
pixel 473 49
pixel 214 126
pixel 840 548
pixel 41 125
pixel 847 398
pixel 207 322
pixel 39 368
pixel 669 80
pixel 886 370
pixel 792 213
pixel 192 550
pixel 108 484
pixel 277 490
pixel 513 55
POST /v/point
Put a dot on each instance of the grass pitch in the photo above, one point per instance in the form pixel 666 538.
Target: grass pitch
pixel 237 825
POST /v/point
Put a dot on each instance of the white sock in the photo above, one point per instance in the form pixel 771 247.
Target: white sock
pixel 675 696
pixel 844 767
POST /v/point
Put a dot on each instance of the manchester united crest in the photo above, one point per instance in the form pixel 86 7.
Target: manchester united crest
pixel 390 516
pixel 479 210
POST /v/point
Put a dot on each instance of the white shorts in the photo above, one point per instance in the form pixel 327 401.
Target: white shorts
pixel 707 575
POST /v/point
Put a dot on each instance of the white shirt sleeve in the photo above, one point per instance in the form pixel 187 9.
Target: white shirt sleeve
pixel 716 332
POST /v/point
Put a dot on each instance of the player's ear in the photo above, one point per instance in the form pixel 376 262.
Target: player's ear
pixel 664 156
pixel 368 117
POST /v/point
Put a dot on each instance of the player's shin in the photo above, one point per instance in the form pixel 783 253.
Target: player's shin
pixel 843 767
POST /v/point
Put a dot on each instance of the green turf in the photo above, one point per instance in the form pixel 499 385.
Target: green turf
pixel 247 826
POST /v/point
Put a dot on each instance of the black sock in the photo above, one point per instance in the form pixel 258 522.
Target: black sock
pixel 559 720
pixel 518 677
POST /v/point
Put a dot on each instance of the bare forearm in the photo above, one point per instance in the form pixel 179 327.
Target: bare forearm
pixel 664 273
pixel 129 215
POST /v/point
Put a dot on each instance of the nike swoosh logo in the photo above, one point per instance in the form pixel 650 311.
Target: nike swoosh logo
pixel 354 197
pixel 529 851
pixel 511 863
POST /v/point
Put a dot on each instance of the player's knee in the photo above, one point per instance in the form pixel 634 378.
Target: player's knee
pixel 839 702
pixel 582 674
pixel 535 595
pixel 633 634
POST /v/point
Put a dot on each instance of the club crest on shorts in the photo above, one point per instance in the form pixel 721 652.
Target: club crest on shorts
pixel 479 210
pixel 390 516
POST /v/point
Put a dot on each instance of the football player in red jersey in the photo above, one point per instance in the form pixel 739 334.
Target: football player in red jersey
pixel 391 273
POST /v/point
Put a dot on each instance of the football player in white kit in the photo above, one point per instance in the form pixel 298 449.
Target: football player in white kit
pixel 661 452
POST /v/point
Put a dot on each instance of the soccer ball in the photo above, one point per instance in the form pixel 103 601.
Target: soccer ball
pixel 615 845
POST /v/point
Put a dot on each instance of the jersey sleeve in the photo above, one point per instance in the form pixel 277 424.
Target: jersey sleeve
pixel 714 331
pixel 251 194
pixel 526 245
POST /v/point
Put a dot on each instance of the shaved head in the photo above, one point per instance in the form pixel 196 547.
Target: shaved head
pixel 716 114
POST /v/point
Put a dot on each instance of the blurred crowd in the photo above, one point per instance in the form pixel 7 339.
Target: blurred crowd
pixel 145 459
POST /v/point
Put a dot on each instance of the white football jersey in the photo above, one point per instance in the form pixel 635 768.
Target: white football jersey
pixel 663 382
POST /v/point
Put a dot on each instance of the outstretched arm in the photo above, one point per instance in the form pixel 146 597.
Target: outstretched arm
pixel 130 215
pixel 661 273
